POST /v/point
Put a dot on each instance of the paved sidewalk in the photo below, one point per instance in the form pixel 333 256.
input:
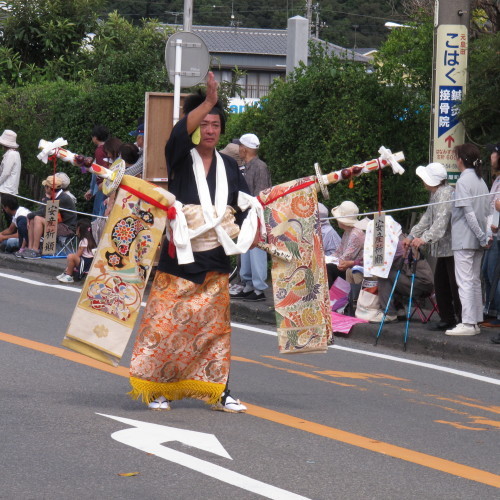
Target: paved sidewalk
pixel 477 349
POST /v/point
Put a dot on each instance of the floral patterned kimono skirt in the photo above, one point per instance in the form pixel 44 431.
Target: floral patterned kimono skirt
pixel 183 347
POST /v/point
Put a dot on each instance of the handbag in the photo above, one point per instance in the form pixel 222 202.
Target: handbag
pixel 368 302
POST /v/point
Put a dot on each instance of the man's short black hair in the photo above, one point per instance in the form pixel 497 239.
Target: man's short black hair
pixel 9 201
pixel 100 132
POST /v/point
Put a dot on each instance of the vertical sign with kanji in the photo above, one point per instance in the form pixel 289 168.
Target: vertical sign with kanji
pixel 50 235
pixel 378 239
pixel 449 90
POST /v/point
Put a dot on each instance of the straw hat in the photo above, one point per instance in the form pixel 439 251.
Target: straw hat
pixel 52 181
pixel 346 213
pixel 8 139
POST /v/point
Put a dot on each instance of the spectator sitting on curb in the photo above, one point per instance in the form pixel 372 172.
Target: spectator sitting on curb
pixel 15 237
pixel 65 182
pixel 422 286
pixel 350 251
pixel 66 223
pixel 82 259
pixel 331 239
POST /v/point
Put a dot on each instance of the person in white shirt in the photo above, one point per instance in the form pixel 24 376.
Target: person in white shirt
pixel 469 237
pixel 10 168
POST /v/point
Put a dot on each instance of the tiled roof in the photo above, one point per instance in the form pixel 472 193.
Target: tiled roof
pixel 232 40
pixel 242 40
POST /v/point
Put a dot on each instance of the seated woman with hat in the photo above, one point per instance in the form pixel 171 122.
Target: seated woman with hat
pixel 350 251
pixel 67 219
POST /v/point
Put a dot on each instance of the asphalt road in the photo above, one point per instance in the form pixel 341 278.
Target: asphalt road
pixel 350 424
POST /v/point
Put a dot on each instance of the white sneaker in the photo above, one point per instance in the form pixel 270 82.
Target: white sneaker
pixel 65 278
pixel 236 289
pixel 231 406
pixel 60 276
pixel 390 318
pixel 463 329
pixel 160 403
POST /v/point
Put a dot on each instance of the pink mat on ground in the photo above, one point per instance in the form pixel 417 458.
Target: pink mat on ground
pixel 343 324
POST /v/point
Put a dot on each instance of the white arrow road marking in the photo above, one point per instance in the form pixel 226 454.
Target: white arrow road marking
pixel 149 438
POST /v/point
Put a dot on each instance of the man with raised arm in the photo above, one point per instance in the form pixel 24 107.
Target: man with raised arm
pixel 183 347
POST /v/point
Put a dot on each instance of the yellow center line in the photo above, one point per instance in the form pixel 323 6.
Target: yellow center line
pixel 296 372
pixel 366 443
pixel 492 409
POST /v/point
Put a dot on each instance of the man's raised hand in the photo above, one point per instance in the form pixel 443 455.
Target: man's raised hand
pixel 212 87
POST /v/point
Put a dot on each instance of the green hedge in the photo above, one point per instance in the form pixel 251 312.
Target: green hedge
pixel 68 110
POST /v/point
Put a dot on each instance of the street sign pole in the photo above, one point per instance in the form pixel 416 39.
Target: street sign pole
pixel 449 81
pixel 177 79
pixel 187 60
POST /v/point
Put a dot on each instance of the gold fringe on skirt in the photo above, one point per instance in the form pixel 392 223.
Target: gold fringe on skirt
pixel 183 348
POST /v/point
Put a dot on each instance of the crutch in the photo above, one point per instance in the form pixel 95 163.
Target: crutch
pixel 400 266
pixel 408 313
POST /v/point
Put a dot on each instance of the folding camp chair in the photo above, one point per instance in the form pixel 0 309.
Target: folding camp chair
pixel 419 304
pixel 66 245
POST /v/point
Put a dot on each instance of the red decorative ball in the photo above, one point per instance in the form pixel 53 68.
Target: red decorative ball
pixel 78 160
pixel 356 170
pixel 346 173
pixel 88 161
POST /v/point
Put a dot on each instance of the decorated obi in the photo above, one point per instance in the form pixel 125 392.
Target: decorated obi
pixel 209 240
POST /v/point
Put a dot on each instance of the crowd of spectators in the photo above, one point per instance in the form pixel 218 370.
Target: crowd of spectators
pixel 457 234
pixel 22 229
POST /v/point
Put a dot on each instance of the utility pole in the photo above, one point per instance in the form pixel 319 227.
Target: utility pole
pixel 309 15
pixel 449 81
pixel 188 15
pixel 355 28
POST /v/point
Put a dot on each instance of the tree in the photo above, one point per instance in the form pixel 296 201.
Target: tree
pixel 479 110
pixel 406 56
pixel 121 51
pixel 337 114
pixel 44 30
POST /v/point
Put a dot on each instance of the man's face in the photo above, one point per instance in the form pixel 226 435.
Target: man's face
pixel 140 141
pixel 49 191
pixel 210 129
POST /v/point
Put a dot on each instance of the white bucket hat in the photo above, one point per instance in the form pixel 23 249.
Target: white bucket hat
pixel 433 174
pixel 346 213
pixel 8 139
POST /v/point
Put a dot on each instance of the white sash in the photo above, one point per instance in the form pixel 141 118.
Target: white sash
pixel 182 234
